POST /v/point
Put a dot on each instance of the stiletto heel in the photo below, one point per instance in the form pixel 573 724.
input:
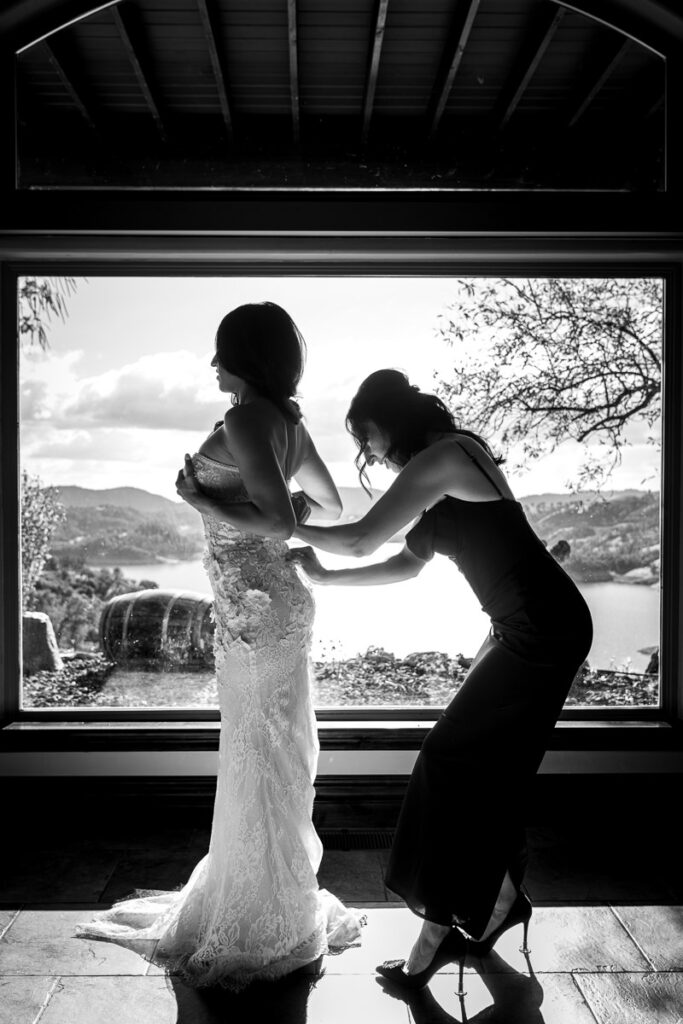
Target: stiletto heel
pixel 524 948
pixel 461 983
pixel 454 947
pixel 519 913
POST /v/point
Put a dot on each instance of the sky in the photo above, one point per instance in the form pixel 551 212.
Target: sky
pixel 126 386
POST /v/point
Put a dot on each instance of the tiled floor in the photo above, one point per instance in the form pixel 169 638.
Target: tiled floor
pixel 606 937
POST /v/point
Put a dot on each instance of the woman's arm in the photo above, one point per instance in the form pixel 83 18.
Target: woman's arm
pixel 424 481
pixel 318 487
pixel 403 566
pixel 243 515
pixel 252 440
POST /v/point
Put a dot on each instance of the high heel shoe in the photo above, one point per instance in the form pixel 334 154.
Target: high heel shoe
pixel 453 947
pixel 519 913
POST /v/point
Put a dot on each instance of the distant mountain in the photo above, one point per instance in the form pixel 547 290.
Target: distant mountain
pixel 609 535
pixel 116 497
pixel 121 525
pixel 573 497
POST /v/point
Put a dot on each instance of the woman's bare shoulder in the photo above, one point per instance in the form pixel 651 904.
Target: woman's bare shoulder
pixel 258 413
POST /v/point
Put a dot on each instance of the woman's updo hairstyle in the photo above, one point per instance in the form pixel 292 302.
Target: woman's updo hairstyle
pixel 408 417
pixel 260 343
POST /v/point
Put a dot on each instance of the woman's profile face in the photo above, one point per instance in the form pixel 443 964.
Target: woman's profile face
pixel 227 381
pixel 376 446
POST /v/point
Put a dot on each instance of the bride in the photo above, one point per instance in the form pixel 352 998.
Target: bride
pixel 252 908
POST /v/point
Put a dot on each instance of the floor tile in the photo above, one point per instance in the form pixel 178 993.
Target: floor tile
pixel 658 931
pixel 509 998
pixel 389 934
pixel 43 942
pixel 49 922
pixel 633 998
pixel 147 870
pixel 6 919
pixel 297 1000
pixel 72 957
pixel 21 999
pixel 112 1001
pixel 565 939
pixel 351 874
pixel 33 876
pixel 593 962
pixel 588 865
pixel 337 1000
pixel 122 841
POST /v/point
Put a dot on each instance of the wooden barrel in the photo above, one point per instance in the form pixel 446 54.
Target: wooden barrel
pixel 172 629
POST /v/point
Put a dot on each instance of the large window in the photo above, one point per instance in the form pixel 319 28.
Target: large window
pixel 562 375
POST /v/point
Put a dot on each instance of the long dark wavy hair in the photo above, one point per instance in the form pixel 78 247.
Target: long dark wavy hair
pixel 405 414
pixel 260 343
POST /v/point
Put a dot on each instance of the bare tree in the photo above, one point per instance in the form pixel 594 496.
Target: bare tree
pixel 540 361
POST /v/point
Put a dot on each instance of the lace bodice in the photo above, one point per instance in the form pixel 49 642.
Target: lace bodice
pixel 264 602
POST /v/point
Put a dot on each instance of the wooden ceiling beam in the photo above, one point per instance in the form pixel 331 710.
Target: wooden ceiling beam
pixel 136 58
pixel 373 66
pixel 209 24
pixel 529 59
pixel 58 62
pixel 615 55
pixel 455 49
pixel 293 68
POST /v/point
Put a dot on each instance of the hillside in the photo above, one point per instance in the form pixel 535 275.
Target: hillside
pixel 124 525
pixel 608 536
pixel 117 497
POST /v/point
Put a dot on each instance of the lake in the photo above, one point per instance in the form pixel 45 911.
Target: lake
pixel 436 611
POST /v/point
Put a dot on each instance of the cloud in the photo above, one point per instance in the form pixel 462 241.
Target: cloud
pixel 163 391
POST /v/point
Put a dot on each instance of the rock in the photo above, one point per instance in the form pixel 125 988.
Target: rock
pixel 561 551
pixel 39 644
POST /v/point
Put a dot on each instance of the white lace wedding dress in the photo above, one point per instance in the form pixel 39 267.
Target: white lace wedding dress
pixel 252 907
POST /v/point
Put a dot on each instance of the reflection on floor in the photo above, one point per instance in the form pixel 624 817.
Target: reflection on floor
pixel 606 938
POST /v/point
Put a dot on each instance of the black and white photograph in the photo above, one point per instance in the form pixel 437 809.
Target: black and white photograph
pixel 341 512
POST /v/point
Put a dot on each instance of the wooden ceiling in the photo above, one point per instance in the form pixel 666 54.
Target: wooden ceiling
pixel 270 94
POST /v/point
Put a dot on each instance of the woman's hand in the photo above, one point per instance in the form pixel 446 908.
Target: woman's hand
pixel 308 560
pixel 186 484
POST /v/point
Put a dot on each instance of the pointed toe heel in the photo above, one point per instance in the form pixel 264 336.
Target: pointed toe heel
pixel 519 913
pixel 452 949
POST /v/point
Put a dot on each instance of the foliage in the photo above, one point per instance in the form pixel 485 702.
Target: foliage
pixel 112 533
pixel 73 595
pixel 41 514
pixel 78 684
pixel 41 298
pixel 542 361
pixel 375 678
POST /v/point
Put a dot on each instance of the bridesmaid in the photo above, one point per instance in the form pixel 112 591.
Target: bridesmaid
pixel 458 858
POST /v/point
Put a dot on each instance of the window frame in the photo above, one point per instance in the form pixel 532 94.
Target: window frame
pixel 330 257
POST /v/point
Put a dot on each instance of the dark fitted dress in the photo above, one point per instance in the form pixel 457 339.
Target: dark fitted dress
pixel 461 823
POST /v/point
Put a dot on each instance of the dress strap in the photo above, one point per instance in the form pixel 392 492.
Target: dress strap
pixel 479 466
